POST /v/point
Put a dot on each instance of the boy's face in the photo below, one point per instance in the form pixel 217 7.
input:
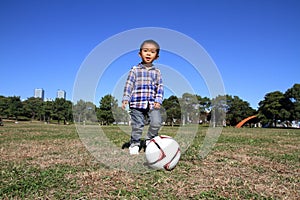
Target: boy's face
pixel 148 53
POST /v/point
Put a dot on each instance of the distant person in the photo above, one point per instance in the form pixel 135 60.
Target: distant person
pixel 144 93
pixel 1 122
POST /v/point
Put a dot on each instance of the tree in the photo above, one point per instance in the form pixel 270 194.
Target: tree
pixel 120 115
pixel 84 111
pixel 15 107
pixel 189 108
pixel 204 108
pixel 273 108
pixel 79 111
pixel 68 114
pixel 62 110
pixel 33 107
pixel 47 110
pixel 4 106
pixel 172 107
pixel 237 110
pixel 219 108
pixel 104 113
pixel 293 94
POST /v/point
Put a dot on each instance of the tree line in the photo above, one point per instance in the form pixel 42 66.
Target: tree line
pixel 189 108
pixel 33 108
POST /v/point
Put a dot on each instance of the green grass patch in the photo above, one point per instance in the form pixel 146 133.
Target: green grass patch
pixel 46 161
pixel 288 158
pixel 30 182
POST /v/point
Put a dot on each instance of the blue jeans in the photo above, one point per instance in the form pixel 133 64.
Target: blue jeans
pixel 138 123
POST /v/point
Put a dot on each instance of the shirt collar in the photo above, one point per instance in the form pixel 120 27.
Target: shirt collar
pixel 143 66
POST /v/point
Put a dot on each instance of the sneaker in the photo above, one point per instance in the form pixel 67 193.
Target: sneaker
pixel 134 150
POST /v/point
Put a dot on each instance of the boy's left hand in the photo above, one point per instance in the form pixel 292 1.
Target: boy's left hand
pixel 156 105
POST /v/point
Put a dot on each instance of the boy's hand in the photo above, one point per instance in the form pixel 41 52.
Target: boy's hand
pixel 156 105
pixel 124 104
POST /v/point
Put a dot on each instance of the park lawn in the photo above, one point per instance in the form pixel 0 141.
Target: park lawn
pixel 49 161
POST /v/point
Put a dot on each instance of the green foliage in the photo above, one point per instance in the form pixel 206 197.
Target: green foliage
pixel 47 110
pixel 293 94
pixel 84 111
pixel 62 110
pixel 173 110
pixel 120 115
pixel 4 107
pixel 274 107
pixel 14 107
pixel 33 107
pixel 189 108
pixel 237 110
pixel 218 110
pixel 108 103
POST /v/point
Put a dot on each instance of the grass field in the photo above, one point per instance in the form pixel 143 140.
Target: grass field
pixel 50 162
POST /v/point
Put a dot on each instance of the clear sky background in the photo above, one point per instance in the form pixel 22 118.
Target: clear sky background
pixel 255 44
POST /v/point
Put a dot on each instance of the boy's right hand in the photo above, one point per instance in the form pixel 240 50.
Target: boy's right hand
pixel 124 104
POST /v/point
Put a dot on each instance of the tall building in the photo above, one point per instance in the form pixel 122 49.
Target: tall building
pixel 39 93
pixel 61 94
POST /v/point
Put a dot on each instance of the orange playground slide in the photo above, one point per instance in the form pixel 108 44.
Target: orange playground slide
pixel 241 123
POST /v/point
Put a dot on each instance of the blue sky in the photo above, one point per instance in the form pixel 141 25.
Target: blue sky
pixel 254 44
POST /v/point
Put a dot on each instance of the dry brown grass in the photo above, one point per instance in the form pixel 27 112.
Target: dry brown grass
pixel 245 164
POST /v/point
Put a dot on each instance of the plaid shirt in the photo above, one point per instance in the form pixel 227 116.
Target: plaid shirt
pixel 143 86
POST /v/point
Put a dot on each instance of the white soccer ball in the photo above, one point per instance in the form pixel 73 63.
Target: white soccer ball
pixel 162 152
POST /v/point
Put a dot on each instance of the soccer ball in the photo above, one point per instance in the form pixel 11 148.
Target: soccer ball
pixel 162 152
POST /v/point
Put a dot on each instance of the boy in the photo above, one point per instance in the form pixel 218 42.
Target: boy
pixel 144 93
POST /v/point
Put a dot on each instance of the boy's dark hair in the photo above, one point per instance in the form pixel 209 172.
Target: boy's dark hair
pixel 151 42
